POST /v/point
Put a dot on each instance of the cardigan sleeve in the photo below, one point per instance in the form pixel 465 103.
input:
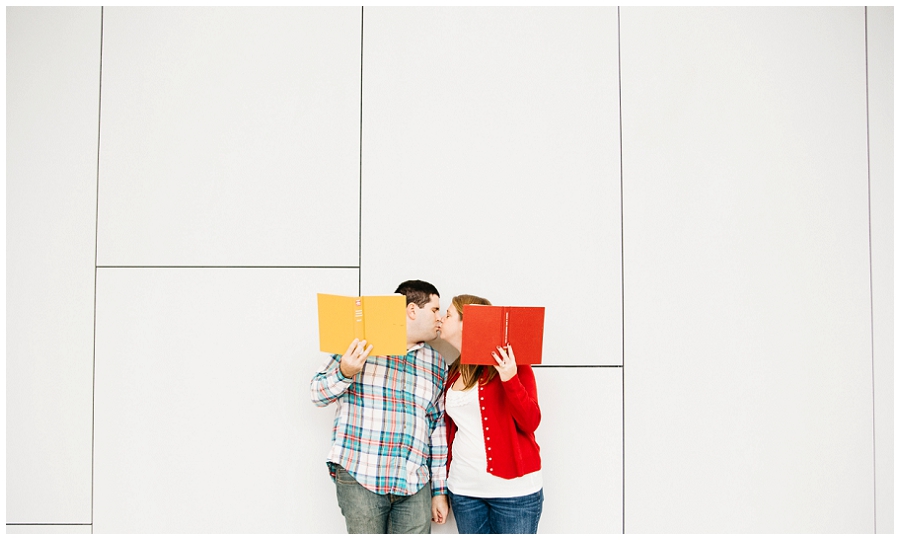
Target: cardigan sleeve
pixel 521 398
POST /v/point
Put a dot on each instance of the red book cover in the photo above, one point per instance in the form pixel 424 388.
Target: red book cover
pixel 487 327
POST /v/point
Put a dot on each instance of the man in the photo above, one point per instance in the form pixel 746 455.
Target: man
pixel 388 455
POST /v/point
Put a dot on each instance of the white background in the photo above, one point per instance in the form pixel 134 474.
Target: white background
pixel 756 283
pixel 701 198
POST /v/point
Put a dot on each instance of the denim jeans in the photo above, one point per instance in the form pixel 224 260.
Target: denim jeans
pixel 367 512
pixel 502 515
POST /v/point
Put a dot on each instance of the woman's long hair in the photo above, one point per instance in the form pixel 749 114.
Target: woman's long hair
pixel 468 372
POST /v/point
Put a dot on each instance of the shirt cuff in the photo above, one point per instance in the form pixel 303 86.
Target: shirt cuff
pixel 340 375
pixel 337 378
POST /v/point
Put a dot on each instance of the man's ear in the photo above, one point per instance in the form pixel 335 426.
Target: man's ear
pixel 411 311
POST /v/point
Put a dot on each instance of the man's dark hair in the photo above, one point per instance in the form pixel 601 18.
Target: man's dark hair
pixel 417 292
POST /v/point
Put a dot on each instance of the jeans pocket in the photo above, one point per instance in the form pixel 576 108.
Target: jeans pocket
pixel 341 476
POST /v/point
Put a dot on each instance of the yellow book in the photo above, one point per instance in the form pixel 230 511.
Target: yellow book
pixel 380 320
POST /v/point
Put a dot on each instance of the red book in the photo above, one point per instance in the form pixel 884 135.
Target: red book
pixel 487 327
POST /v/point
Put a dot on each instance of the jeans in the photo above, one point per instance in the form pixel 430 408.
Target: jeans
pixel 502 515
pixel 367 512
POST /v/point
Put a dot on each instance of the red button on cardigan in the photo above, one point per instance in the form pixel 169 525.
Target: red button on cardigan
pixel 512 408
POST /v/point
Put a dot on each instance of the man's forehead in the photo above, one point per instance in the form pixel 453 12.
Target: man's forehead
pixel 434 301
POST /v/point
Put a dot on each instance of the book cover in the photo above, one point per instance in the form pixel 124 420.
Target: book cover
pixel 487 327
pixel 380 320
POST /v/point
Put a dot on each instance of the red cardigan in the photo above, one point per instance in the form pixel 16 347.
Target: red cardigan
pixel 509 416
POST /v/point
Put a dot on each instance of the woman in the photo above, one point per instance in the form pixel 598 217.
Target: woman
pixel 494 463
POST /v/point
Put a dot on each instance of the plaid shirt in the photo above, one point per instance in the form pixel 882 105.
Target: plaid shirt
pixel 389 430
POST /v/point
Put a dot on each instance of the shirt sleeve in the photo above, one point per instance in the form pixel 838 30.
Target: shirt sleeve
pixel 438 448
pixel 329 383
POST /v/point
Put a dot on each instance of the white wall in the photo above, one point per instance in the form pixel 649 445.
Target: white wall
pixel 748 335
pixel 492 137
pixel 52 101
pixel 221 127
pixel 233 136
pixel 244 166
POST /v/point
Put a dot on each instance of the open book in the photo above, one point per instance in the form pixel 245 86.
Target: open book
pixel 380 320
pixel 487 327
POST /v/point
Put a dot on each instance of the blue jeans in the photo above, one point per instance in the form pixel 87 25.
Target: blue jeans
pixel 502 515
pixel 367 512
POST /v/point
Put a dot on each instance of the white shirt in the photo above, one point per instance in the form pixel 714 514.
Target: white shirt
pixel 468 469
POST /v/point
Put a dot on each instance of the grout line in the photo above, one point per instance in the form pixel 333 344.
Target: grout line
pixel 573 366
pixel 236 267
pixel 48 524
pixel 621 246
pixel 362 14
pixel 96 258
pixel 871 293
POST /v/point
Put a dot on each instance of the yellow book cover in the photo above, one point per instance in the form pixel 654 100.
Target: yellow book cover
pixel 380 320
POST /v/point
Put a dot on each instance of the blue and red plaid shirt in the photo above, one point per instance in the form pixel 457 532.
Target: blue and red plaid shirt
pixel 389 430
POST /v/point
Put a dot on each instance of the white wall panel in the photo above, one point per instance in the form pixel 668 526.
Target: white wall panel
pixel 581 449
pixel 747 315
pixel 880 57
pixel 230 136
pixel 52 96
pixel 491 163
pixel 203 417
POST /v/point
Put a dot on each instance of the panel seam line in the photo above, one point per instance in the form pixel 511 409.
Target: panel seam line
pixel 621 241
pixel 96 260
pixel 871 285
pixel 362 14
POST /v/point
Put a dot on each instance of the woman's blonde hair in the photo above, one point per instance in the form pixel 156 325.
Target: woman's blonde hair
pixel 470 373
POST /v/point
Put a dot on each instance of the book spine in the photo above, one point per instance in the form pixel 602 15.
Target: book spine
pixel 359 330
pixel 506 328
